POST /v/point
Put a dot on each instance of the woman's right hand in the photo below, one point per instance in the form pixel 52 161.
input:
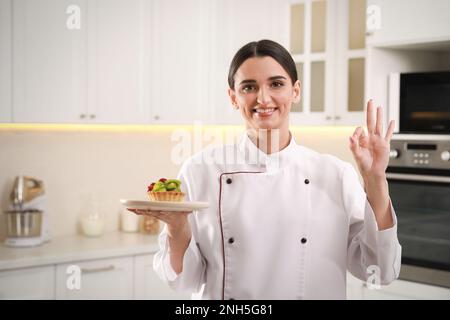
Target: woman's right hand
pixel 178 230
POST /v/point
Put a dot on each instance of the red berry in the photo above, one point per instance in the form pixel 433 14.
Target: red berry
pixel 163 179
pixel 150 187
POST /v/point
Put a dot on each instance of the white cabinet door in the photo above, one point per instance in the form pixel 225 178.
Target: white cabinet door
pixel 397 290
pixel 180 61
pixel 5 60
pixel 49 64
pixel 234 24
pixel 99 279
pixel 148 285
pixel 409 21
pixel 118 61
pixel 406 290
pixel 28 283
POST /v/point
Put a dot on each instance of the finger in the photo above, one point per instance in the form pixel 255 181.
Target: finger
pixel 354 139
pixel 363 133
pixel 169 216
pixel 369 118
pixel 379 125
pixel 136 211
pixel 390 131
pixel 152 213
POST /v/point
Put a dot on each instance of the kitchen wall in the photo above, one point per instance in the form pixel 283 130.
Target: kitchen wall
pixel 112 162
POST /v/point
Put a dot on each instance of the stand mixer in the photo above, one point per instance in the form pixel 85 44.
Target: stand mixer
pixel 27 218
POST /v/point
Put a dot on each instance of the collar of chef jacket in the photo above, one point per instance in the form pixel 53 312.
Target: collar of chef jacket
pixel 270 163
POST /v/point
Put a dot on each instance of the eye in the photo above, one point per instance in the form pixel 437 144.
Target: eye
pixel 277 84
pixel 248 88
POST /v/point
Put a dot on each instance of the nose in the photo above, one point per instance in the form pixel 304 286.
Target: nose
pixel 263 96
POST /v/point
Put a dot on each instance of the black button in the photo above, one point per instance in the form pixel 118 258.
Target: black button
pixel 303 240
pixel 229 181
pixel 306 181
pixel 231 240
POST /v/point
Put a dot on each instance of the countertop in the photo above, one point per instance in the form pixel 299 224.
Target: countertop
pixel 77 248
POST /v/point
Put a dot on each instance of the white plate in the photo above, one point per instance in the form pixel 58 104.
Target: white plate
pixel 164 205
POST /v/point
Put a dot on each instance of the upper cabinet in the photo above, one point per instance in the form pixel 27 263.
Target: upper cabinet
pixel 327 42
pixel 5 61
pixel 180 60
pixel 127 61
pixel 80 61
pixel 118 61
pixel 48 62
pixel 166 61
pixel 406 22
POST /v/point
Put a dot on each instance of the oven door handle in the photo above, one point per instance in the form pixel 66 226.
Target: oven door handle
pixel 417 177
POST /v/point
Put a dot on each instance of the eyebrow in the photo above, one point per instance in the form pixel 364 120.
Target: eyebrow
pixel 254 81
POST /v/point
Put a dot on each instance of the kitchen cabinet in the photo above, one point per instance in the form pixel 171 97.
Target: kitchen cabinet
pixel 49 65
pixel 147 284
pixel 100 279
pixel 118 61
pixel 72 72
pixel 166 61
pixel 406 22
pixel 5 61
pixel 402 290
pixel 117 265
pixel 28 283
pixel 397 290
pixel 179 61
pixel 127 277
pixel 327 43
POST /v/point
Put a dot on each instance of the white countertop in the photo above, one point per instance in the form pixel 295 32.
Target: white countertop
pixel 77 248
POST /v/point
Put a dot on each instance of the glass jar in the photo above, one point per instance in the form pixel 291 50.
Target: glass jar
pixel 92 222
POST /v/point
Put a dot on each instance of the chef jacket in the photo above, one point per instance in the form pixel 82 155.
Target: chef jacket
pixel 286 225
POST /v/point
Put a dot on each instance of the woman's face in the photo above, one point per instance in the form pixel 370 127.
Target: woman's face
pixel 264 93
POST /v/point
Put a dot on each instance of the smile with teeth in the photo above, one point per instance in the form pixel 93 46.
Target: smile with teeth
pixel 264 111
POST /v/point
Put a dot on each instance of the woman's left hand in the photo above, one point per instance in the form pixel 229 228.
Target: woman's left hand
pixel 371 151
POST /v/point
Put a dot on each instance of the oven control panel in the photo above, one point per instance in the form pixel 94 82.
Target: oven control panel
pixel 420 152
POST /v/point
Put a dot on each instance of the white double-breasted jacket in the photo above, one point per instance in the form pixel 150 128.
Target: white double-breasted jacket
pixel 281 226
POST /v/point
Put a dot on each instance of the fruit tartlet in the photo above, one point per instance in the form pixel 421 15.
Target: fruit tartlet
pixel 165 190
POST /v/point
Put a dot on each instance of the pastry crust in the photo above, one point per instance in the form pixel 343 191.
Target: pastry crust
pixel 172 196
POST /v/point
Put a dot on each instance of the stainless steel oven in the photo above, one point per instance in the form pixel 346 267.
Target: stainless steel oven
pixel 419 186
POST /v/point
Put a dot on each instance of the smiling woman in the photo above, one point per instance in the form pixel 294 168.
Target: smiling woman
pixel 291 224
pixel 263 85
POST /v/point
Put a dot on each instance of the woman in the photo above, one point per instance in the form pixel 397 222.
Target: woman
pixel 290 224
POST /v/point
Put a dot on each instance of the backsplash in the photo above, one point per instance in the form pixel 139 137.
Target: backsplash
pixel 113 162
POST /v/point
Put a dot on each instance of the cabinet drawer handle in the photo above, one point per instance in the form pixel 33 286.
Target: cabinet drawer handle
pixel 82 116
pixel 92 116
pixel 327 118
pixel 337 117
pixel 100 269
pixel 156 117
